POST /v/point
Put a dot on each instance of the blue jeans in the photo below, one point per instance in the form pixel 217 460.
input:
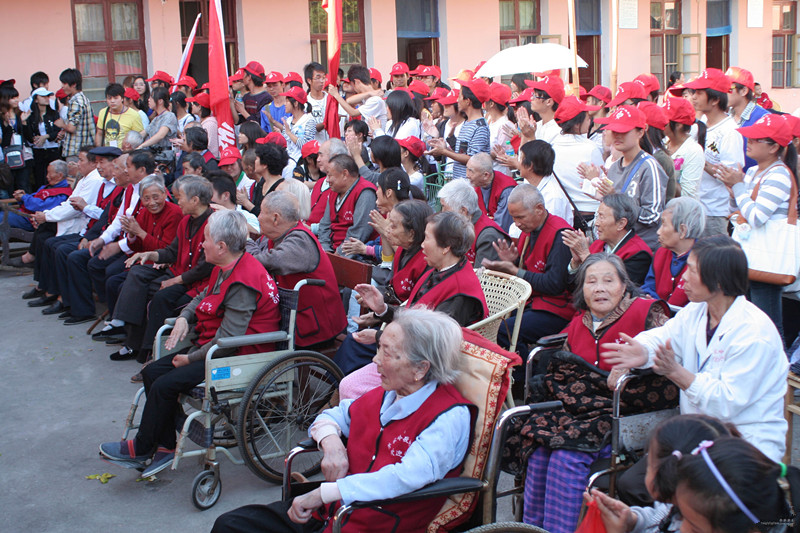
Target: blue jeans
pixel 767 297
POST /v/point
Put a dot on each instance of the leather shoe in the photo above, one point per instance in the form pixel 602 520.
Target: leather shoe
pixel 57 307
pixel 120 356
pixel 66 314
pixel 35 292
pixel 78 320
pixel 110 333
pixel 17 262
pixel 43 301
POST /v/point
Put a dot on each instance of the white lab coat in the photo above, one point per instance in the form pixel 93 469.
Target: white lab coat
pixel 742 371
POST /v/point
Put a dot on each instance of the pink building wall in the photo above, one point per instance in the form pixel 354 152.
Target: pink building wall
pixel 162 22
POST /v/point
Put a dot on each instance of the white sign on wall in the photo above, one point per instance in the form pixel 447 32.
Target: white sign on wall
pixel 628 14
pixel 755 13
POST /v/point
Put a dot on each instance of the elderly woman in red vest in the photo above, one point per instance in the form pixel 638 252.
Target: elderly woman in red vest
pixel 411 431
pixel 682 223
pixel 556 473
pixel 240 299
pixel 614 225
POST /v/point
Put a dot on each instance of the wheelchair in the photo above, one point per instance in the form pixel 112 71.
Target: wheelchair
pixel 263 403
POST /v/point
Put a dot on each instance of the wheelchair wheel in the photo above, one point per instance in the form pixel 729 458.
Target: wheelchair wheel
pixel 279 406
pixel 507 527
pixel 205 493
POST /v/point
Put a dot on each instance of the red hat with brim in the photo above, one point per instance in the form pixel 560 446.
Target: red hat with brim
pixel 131 93
pixel 742 77
pixel 254 68
pixel 601 92
pixel 292 76
pixel 679 110
pixel 552 85
pixel 654 114
pixel 624 119
pixel 570 107
pixel 676 91
pixel 419 87
pixel 710 78
pixel 375 75
pixel 438 93
pixel 311 147
pixel 770 126
pixel 416 71
pixel 160 75
pixel 187 81
pixel 413 145
pixel 479 88
pixel 229 155
pixel 402 90
pixel 450 98
pixel 794 123
pixel 399 68
pixel 273 137
pixel 524 96
pixel 431 70
pixel 627 91
pixel 236 76
pixel 297 93
pixel 274 77
pixel 649 82
pixel 499 93
pixel 201 99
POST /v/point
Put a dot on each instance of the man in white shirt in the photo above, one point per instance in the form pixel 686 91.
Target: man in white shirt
pixel 547 95
pixel 369 105
pixel 316 78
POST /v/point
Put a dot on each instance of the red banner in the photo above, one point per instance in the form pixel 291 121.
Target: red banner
pixel 218 76
pixel 334 9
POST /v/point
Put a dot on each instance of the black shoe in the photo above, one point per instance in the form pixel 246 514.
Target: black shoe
pixel 17 262
pixel 43 301
pixel 113 341
pixel 57 307
pixel 78 320
pixel 120 356
pixel 66 314
pixel 35 292
pixel 108 333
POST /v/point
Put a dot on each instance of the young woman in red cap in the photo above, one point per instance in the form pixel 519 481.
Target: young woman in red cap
pixel 687 153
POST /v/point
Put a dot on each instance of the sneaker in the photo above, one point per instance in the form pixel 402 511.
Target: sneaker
pixel 121 451
pixel 161 460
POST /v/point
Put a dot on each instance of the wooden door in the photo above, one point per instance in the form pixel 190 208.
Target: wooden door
pixel 589 51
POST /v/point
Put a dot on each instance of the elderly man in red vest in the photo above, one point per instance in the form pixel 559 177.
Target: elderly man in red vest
pixel 290 252
pixel 540 257
pixel 492 187
pixel 349 205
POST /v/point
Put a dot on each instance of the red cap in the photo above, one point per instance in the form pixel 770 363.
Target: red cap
pixel 582 94
pixel 770 126
pixel 432 70
pixel 794 123
pixel 649 82
pixel 624 119
pixel 626 91
pixel 12 81
pixel 413 145
pixel 255 68
pixel 273 137
pixel 131 93
pixel 202 99
pixel 61 94
pixel 552 85
pixel 187 81
pixel 375 75
pixel 160 75
pixel 297 93
pixel 399 68
pixel 229 155
pixel 601 92
pixel 676 91
pixel 415 72
pixel 524 96
pixel 710 78
pixel 742 77
pixel 292 76
pixel 274 77
pixel 419 87
pixel 311 147
pixel 570 107
pixel 679 110
pixel 479 88
pixel 450 98
pixel 499 93
pixel 437 94
pixel 654 114
pixel 236 76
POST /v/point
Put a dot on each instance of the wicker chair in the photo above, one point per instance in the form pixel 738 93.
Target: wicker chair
pixel 504 294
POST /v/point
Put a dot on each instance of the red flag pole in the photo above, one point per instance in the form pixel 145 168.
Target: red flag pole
pixel 187 52
pixel 218 76
pixel 334 9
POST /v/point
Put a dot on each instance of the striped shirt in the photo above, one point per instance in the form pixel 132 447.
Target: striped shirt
pixel 772 201
pixel 81 116
pixel 473 139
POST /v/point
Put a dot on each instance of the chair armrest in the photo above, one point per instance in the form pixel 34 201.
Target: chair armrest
pixel 552 341
pixel 247 340
pixel 443 487
pixel 171 321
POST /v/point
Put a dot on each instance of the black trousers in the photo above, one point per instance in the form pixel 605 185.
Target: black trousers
pixel 44 232
pixel 100 271
pixel 113 287
pixel 79 287
pixel 48 271
pixel 272 518
pixel 631 487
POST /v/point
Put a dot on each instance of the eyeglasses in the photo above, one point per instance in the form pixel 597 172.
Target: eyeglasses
pixel 763 141
pixel 541 97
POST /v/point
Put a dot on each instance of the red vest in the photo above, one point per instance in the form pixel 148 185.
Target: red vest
pixel 462 282
pixel 482 223
pixel 404 279
pixel 372 446
pixel 317 319
pixel 536 261
pixel 500 183
pixel 631 247
pixel 319 201
pixel 342 219
pixel 266 317
pixel 161 228
pixel 103 202
pixel 44 194
pixel 190 250
pixel 669 288
pixel 584 343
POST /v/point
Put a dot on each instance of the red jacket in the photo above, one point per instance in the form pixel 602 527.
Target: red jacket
pixel 669 288
pixel 629 248
pixel 500 183
pixel 160 228
pixel 404 279
pixel 342 219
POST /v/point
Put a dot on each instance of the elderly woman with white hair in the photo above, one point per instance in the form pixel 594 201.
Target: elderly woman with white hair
pixel 411 431
pixel 460 196
pixel 241 298
pixel 682 223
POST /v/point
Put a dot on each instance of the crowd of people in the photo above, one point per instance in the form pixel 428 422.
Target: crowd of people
pixel 617 209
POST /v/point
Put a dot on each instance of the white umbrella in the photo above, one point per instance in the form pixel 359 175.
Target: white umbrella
pixel 533 57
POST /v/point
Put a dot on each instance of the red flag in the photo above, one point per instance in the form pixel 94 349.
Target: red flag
pixel 218 76
pixel 334 9
pixel 187 52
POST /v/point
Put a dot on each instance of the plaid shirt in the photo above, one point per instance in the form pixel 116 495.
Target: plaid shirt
pixel 81 116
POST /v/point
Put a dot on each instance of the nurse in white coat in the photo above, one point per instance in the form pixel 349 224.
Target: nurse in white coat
pixel 721 350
